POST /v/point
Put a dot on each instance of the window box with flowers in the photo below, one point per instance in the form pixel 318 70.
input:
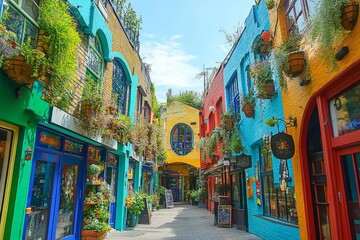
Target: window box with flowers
pixel 262 74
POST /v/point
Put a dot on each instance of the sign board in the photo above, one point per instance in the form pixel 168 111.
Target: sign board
pixel 224 215
pixel 282 146
pixel 144 217
pixel 241 162
pixel 169 200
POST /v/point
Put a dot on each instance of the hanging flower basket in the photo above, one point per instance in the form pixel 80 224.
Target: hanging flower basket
pixel 268 90
pixel 89 109
pixel 92 235
pixel 296 62
pixel 248 110
pixel 42 45
pixel 18 70
pixel 349 15
pixel 266 36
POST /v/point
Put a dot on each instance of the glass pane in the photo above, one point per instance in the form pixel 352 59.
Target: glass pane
pixel 351 178
pixel 320 194
pixel 291 205
pixel 273 197
pixel 317 167
pixel 111 178
pixel 31 8
pixel 37 225
pixel 266 197
pixel 15 23
pixel 312 6
pixel 5 145
pixel 236 191
pixel 66 213
pixel 282 205
pixel 345 111
pixel 324 222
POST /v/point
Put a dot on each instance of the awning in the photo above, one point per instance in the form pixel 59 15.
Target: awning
pixel 213 170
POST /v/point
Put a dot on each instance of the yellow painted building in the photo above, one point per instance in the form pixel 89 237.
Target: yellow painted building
pixel 180 171
pixel 327 139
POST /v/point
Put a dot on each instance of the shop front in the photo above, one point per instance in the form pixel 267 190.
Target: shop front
pixel 330 159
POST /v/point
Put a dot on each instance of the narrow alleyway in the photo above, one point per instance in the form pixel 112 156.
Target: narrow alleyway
pixel 184 222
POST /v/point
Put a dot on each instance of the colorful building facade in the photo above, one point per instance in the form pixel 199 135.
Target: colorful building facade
pixel 180 171
pixel 263 193
pixel 327 139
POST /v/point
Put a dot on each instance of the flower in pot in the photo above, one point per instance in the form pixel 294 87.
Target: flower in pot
pixel 235 143
pixel 229 120
pixel 93 171
pixel 8 47
pixel 248 104
pixel 119 127
pixel 266 36
pixel 289 58
pixel 135 207
pixel 261 47
pixel 262 74
pixel 349 14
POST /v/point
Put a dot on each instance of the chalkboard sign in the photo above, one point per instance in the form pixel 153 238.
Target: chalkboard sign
pixel 169 200
pixel 144 217
pixel 224 215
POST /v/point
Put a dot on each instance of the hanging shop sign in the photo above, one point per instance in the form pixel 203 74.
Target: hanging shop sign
pixel 28 153
pixel 240 162
pixel 282 146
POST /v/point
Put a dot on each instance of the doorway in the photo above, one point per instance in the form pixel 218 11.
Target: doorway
pixel 239 204
pixel 54 197
pixel 111 179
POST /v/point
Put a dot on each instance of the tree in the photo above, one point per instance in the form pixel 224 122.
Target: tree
pixel 191 98
pixel 231 38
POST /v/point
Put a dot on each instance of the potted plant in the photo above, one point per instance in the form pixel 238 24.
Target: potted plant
pixel 262 74
pixel 222 189
pixel 229 120
pixel 328 25
pixel 261 47
pixel 289 58
pixel 119 127
pixel 194 196
pixel 271 122
pixel 235 143
pixel 248 104
pixel 270 4
pixel 95 217
pixel 266 35
pixel 135 204
pixel 93 171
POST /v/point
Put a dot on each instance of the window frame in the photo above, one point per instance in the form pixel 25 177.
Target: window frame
pixel 92 49
pixel 176 149
pixel 290 6
pixel 234 94
pixel 120 86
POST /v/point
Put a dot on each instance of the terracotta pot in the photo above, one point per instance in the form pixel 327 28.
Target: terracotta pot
pixel 18 70
pixel 265 48
pixel 269 90
pixel 349 15
pixel 92 235
pixel 89 110
pixel 229 125
pixel 296 62
pixel 266 36
pixel 248 110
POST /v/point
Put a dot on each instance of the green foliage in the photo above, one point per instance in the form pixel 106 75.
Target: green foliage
pixel 63 40
pixel 132 19
pixel 119 127
pixel 235 143
pixel 93 169
pixel 34 58
pixel 195 195
pixel 138 204
pixel 231 38
pixel 292 44
pixel 271 122
pixel 7 48
pixel 262 73
pixel 222 189
pixel 270 4
pixel 191 98
pixel 248 99
pixel 160 190
pixel 141 136
pixel 325 27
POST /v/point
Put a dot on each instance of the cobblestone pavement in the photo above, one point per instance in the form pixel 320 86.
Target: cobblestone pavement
pixel 183 222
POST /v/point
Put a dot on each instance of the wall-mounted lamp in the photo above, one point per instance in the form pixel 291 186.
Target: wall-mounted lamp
pixel 212 108
pixel 341 53
pixel 290 122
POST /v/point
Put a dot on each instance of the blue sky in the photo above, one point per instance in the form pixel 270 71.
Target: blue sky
pixel 179 36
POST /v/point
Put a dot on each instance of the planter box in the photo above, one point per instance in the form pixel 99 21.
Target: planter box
pixel 92 235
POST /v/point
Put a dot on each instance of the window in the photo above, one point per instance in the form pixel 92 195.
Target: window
pixel 297 12
pixel 139 100
pixel 95 57
pixel 219 111
pixel 120 86
pixel 278 203
pixel 233 94
pixel 147 111
pixel 23 22
pixel 181 139
pixel 248 79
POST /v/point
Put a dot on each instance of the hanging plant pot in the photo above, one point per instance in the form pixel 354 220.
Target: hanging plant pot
pixel 349 15
pixel 296 62
pixel 268 90
pixel 266 36
pixel 229 124
pixel 248 110
pixel 265 48
pixel 92 235
pixel 89 109
pixel 18 70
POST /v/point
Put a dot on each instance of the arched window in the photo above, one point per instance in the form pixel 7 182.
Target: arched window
pixel 95 61
pixel 181 139
pixel 248 80
pixel 120 86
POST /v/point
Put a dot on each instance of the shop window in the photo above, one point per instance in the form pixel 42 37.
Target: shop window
pixel 120 86
pixel 345 111
pixel 277 203
pixel 95 60
pixel 297 12
pixel 233 94
pixel 22 20
pixel 181 139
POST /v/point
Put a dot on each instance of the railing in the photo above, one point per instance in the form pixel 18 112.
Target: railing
pixel 132 34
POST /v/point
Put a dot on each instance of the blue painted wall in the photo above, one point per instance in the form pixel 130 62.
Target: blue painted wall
pixel 252 129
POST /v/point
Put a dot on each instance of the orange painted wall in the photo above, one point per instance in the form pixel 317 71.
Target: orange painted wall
pixel 296 98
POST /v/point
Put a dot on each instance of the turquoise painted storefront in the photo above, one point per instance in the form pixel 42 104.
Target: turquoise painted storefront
pixel 267 215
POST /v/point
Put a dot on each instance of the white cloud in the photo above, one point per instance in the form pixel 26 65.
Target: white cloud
pixel 170 66
pixel 148 35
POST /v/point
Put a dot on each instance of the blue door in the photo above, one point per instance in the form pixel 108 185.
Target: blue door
pixel 54 197
pixel 111 179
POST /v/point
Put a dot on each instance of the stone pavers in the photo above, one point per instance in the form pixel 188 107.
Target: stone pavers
pixel 183 222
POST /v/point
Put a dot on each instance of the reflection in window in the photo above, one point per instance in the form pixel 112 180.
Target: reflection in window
pixel 345 111
pixel 181 139
pixel 95 57
pixel 297 12
pixel 120 86
pixel 233 94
